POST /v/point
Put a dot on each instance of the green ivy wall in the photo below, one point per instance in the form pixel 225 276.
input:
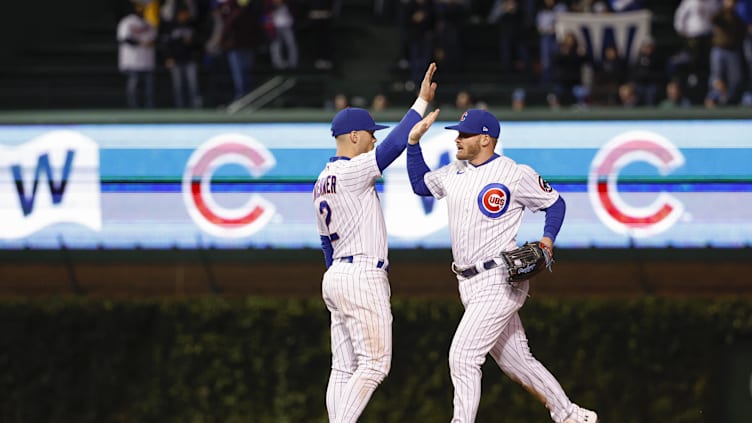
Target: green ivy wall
pixel 264 360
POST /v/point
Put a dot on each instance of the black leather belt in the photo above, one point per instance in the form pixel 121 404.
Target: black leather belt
pixel 349 259
pixel 473 270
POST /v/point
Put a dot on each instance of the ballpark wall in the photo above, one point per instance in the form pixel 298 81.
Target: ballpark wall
pixel 159 204
pixel 648 183
pixel 111 212
pixel 267 361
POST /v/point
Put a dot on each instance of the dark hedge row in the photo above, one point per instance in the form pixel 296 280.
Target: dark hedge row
pixel 264 360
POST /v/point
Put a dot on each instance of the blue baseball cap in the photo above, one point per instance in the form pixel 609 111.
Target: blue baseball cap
pixel 477 121
pixel 353 119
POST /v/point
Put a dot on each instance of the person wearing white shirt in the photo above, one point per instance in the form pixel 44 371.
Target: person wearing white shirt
pixel 136 56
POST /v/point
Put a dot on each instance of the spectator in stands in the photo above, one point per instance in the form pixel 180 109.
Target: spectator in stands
pixel 379 103
pixel 692 22
pixel 151 11
pixel 647 72
pixel 610 74
pixel 618 6
pixel 587 6
pixel 547 44
pixel 242 35
pixel 744 9
pixel 283 39
pixel 579 6
pixel 420 36
pixel 567 72
pixel 481 104
pixel 628 96
pixel 136 56
pixel 450 15
pixel 746 100
pixel 464 100
pixel 181 53
pixel 718 95
pixel 213 61
pixel 341 101
pixel 321 14
pixel 674 96
pixel 169 8
pixel 518 99
pixel 729 31
pixel 509 16
pixel 401 19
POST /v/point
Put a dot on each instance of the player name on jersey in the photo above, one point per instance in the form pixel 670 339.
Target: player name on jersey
pixel 327 185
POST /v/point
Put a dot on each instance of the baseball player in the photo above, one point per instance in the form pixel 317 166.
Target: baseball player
pixel 351 224
pixel 486 195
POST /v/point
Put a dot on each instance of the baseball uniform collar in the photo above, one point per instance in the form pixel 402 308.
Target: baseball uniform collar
pixel 335 158
pixel 492 158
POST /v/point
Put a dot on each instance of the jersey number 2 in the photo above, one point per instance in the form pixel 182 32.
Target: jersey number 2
pixel 325 209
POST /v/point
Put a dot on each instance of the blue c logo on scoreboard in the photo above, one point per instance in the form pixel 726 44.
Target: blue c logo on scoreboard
pixel 493 200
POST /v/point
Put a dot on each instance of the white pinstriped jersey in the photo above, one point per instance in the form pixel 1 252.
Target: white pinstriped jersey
pixel 486 204
pixel 348 209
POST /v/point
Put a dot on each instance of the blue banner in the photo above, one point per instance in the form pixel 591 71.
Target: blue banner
pixel 626 183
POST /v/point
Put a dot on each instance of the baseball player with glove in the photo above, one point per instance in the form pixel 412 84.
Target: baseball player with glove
pixel 351 224
pixel 486 195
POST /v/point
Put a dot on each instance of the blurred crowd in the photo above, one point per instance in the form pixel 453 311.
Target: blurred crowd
pixel 708 62
pixel 215 36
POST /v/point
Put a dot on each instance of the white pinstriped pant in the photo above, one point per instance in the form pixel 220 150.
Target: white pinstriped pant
pixel 492 325
pixel 358 298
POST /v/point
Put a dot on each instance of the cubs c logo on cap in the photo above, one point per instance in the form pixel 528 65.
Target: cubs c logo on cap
pixel 462 118
pixel 493 200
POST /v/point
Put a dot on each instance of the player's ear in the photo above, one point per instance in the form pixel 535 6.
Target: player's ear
pixel 354 137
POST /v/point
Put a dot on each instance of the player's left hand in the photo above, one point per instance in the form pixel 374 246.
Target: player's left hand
pixel 420 128
pixel 428 87
pixel 547 244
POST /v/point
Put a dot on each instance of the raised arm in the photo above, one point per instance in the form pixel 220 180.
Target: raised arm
pixel 416 165
pixel 396 141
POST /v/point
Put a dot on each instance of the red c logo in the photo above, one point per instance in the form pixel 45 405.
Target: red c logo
pixel 207 213
pixel 619 216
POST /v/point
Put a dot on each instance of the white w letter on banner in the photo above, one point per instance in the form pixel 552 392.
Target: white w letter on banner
pixel 53 178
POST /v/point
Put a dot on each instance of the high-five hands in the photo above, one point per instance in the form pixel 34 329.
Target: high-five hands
pixel 420 128
pixel 428 87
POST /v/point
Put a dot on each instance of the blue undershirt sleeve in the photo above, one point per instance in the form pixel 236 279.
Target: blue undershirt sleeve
pixel 554 218
pixel 394 144
pixel 416 169
pixel 326 246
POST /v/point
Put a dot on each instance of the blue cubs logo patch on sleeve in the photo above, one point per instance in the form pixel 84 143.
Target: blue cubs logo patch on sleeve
pixel 544 184
pixel 493 200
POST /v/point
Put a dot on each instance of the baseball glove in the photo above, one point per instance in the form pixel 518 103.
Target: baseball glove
pixel 526 261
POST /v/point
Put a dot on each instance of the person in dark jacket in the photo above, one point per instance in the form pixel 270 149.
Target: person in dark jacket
pixel 725 56
pixel 567 69
pixel 242 34
pixel 647 73
pixel 181 51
